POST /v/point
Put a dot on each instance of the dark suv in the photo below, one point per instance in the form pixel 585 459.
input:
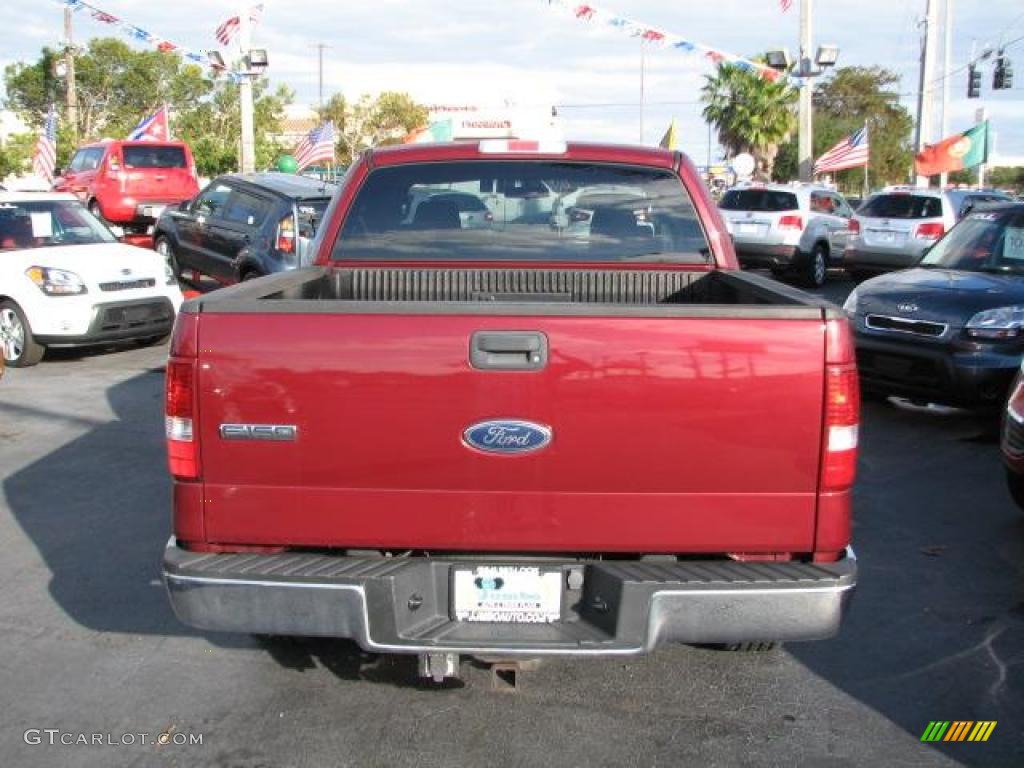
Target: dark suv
pixel 243 226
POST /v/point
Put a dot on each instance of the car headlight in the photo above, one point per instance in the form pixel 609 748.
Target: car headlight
pixel 850 305
pixel 56 282
pixel 169 278
pixel 998 323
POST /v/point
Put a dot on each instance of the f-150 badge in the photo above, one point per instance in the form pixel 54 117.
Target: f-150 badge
pixel 507 436
pixel 277 432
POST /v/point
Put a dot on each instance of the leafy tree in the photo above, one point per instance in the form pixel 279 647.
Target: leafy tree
pixel 116 86
pixel 750 114
pixel 371 122
pixel 850 98
pixel 213 128
pixel 16 154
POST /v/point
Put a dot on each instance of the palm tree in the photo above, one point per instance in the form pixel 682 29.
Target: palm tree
pixel 750 113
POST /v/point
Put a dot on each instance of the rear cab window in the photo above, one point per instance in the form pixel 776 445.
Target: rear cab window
pixel 902 206
pixel 659 224
pixel 763 200
pixel 311 212
pixel 146 156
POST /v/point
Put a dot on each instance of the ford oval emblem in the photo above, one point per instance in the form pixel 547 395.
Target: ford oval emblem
pixel 507 436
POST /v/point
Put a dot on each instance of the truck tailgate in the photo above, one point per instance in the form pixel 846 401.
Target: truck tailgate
pixel 669 434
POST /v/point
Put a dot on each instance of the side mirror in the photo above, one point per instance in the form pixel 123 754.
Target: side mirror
pixel 184 205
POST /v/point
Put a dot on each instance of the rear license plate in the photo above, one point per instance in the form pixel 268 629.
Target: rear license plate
pixel 507 594
pixel 893 366
pixel 745 228
pixel 153 211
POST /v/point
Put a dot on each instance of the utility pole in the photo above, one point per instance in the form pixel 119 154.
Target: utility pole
pixel 805 122
pixel 69 63
pixel 245 93
pixel 320 80
pixel 947 55
pixel 643 66
pixel 924 96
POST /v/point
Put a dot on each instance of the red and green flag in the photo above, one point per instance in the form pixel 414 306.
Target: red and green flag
pixel 964 150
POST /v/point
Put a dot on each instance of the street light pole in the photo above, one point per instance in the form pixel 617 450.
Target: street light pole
pixel 924 95
pixel 245 94
pixel 69 63
pixel 805 121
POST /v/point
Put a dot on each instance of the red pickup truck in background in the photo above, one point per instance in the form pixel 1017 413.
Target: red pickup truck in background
pixel 519 439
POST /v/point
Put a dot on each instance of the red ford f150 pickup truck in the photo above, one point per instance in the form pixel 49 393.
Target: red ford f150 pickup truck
pixel 587 434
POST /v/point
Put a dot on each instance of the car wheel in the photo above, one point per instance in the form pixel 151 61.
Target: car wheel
pixel 164 248
pixel 1015 484
pixel 754 647
pixel 94 209
pixel 816 268
pixel 20 349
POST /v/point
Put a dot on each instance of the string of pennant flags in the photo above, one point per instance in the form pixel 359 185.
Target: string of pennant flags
pixel 597 16
pixel 141 35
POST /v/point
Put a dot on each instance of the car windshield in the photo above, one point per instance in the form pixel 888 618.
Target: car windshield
pixel 43 223
pixel 982 242
pixel 902 206
pixel 520 196
pixel 758 200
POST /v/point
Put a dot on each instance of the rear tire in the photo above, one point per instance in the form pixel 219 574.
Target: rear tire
pixel 17 343
pixel 94 209
pixel 761 646
pixel 164 248
pixel 1015 485
pixel 816 268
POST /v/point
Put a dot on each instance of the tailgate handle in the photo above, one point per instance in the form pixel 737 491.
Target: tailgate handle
pixel 508 350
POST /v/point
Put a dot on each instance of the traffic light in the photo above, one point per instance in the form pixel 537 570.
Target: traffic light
pixel 1002 78
pixel 973 82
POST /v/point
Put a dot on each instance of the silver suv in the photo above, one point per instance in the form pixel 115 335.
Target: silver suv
pixel 894 227
pixel 795 229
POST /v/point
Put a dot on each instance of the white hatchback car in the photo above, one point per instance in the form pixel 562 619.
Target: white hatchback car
pixel 66 281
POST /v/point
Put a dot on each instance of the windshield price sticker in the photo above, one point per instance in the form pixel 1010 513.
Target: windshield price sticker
pixel 42 224
pixel 1013 243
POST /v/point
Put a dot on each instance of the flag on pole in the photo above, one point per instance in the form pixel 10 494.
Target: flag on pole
pixel 228 30
pixel 851 152
pixel 671 138
pixel 786 5
pixel 955 153
pixel 44 156
pixel 156 127
pixel 316 147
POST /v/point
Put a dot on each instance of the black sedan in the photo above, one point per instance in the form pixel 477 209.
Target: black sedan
pixel 948 330
pixel 243 226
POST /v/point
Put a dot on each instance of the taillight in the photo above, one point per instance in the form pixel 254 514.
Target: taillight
pixel 182 448
pixel 842 408
pixel 854 227
pixel 286 235
pixel 931 230
pixel 791 222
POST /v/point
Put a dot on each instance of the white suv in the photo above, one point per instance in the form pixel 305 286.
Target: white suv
pixel 798 229
pixel 894 227
pixel 66 281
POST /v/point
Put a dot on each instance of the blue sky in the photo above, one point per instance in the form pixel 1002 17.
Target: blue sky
pixel 533 55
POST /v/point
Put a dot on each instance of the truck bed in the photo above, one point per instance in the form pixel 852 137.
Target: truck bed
pixel 686 403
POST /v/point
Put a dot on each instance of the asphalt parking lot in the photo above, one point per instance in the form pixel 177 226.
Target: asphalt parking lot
pixel 88 643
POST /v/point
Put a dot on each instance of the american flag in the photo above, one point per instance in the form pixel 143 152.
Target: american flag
pixel 851 152
pixel 227 31
pixel 316 147
pixel 44 157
